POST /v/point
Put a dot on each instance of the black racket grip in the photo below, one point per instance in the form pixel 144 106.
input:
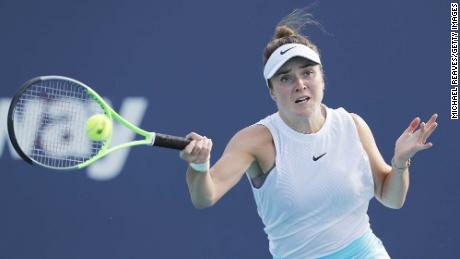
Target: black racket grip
pixel 168 141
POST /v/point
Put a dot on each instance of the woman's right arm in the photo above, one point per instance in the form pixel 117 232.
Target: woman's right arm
pixel 206 188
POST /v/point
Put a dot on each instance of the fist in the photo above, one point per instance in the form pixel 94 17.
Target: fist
pixel 198 150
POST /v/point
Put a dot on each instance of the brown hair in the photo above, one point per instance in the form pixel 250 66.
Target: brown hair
pixel 288 31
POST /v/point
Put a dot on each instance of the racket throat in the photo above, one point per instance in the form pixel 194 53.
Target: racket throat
pixel 151 138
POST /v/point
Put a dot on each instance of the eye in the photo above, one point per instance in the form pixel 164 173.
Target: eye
pixel 285 78
pixel 308 73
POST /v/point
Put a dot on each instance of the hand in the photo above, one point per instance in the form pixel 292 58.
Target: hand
pixel 412 141
pixel 198 150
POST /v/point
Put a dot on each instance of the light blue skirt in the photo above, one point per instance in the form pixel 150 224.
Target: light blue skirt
pixel 368 246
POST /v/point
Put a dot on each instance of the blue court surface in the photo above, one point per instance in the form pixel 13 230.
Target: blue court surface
pixel 181 66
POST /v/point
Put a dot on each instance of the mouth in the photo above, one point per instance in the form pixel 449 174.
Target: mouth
pixel 302 99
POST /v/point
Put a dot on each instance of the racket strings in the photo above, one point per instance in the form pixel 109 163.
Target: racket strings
pixel 50 120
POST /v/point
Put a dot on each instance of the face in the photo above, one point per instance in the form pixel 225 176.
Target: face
pixel 297 88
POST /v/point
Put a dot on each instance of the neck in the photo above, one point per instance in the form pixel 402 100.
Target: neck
pixel 306 125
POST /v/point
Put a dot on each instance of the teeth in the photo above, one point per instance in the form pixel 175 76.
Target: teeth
pixel 301 100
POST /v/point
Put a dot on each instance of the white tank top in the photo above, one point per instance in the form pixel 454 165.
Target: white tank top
pixel 314 208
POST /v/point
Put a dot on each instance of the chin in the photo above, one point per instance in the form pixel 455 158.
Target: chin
pixel 306 112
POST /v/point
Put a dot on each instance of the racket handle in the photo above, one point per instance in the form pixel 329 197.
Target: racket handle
pixel 168 141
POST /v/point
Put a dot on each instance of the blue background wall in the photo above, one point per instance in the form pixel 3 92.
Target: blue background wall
pixel 196 65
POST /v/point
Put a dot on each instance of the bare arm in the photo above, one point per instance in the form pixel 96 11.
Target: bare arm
pixel 206 188
pixel 391 183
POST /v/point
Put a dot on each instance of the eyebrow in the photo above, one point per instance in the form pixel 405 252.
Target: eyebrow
pixel 282 72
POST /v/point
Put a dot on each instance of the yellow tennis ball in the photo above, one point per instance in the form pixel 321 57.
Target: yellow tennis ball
pixel 98 127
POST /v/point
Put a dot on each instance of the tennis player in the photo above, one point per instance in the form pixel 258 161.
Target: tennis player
pixel 313 169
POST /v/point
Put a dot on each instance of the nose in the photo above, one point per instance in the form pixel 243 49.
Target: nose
pixel 300 84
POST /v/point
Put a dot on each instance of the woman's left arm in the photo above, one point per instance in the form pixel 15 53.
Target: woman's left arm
pixel 392 182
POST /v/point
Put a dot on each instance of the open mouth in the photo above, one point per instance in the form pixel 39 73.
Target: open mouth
pixel 302 99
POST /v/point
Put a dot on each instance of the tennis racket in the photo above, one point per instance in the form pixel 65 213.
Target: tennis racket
pixel 47 119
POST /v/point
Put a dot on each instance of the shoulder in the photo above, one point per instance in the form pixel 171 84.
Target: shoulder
pixel 257 143
pixel 246 146
pixel 359 121
pixel 252 138
pixel 363 129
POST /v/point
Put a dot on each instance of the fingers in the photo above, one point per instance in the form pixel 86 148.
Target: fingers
pixel 432 119
pixel 428 130
pixel 198 150
pixel 188 149
pixel 201 151
pixel 413 139
pixel 204 151
pixel 193 136
pixel 413 125
pixel 427 145
pixel 424 127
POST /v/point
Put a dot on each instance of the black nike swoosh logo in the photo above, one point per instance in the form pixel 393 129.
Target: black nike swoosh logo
pixel 316 158
pixel 284 51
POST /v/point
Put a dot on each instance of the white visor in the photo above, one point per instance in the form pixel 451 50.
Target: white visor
pixel 284 53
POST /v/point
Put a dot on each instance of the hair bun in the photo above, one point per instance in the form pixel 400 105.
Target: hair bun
pixel 283 31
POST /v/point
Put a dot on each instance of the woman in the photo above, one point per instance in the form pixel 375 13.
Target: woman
pixel 313 169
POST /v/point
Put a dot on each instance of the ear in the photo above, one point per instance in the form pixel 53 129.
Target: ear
pixel 272 94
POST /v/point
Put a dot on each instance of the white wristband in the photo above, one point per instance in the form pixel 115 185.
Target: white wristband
pixel 201 167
